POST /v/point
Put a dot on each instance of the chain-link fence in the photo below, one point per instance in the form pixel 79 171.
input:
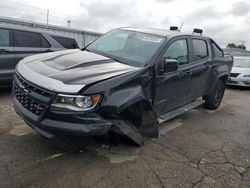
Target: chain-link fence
pixel 11 9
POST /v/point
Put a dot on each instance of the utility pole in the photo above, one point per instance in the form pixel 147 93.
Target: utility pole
pixel 243 42
pixel 69 23
pixel 48 18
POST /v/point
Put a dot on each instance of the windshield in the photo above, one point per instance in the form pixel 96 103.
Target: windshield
pixel 245 63
pixel 127 46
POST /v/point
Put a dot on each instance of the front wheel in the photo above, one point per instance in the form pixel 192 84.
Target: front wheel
pixel 213 100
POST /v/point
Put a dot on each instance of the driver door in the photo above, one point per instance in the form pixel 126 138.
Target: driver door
pixel 172 87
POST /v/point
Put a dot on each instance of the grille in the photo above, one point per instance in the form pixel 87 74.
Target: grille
pixel 234 74
pixel 29 103
pixel 33 88
pixel 28 100
pixel 232 82
pixel 247 83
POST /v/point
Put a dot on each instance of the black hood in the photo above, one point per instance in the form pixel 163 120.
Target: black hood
pixel 76 66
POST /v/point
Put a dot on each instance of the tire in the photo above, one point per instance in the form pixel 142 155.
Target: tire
pixel 213 100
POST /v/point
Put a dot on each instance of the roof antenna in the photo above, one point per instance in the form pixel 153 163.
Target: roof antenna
pixel 181 26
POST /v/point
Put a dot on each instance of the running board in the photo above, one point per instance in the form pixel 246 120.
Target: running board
pixel 165 117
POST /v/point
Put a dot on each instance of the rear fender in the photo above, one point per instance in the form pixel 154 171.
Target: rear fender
pixel 220 72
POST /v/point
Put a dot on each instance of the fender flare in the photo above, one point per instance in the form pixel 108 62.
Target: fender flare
pixel 213 82
pixel 119 100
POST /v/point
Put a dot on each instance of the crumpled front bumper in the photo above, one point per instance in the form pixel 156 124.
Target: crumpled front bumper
pixel 64 128
pixel 60 132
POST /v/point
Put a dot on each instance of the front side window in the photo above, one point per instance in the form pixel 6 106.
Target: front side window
pixel 130 47
pixel 178 50
pixel 45 43
pixel 4 38
pixel 200 49
pixel 27 39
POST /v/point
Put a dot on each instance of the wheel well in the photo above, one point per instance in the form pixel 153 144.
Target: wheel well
pixel 134 112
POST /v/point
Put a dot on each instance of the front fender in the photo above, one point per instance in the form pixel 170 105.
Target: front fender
pixel 120 99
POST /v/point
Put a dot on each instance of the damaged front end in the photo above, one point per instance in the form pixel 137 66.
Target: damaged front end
pixel 130 110
pixel 120 106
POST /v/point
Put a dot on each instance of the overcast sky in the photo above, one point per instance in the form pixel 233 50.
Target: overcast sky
pixel 224 20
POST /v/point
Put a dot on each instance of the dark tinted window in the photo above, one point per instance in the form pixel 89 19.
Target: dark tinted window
pixel 178 50
pixel 216 50
pixel 66 42
pixel 4 38
pixel 27 39
pixel 200 49
pixel 45 43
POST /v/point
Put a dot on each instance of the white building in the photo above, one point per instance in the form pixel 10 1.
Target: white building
pixel 82 37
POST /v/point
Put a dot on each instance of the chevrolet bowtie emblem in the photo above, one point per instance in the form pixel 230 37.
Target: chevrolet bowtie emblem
pixel 24 90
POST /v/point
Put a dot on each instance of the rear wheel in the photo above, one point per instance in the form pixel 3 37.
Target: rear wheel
pixel 213 100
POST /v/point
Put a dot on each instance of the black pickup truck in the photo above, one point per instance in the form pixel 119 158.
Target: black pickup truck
pixel 124 83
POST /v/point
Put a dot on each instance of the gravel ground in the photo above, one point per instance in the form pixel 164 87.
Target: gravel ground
pixel 200 148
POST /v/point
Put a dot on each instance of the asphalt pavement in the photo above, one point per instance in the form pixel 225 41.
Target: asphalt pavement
pixel 200 148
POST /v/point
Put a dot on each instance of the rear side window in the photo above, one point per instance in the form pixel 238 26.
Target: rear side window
pixel 4 38
pixel 200 49
pixel 217 52
pixel 30 39
pixel 66 42
pixel 45 43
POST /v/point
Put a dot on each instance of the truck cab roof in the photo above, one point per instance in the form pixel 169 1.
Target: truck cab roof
pixel 161 32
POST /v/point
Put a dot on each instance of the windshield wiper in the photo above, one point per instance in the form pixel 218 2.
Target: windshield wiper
pixel 104 54
pixel 110 56
pixel 85 49
pixel 116 59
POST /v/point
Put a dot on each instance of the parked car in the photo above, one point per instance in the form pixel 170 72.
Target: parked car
pixel 124 83
pixel 16 43
pixel 240 74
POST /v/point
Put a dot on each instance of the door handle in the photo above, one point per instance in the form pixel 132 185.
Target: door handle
pixel 3 51
pixel 208 66
pixel 188 73
pixel 48 50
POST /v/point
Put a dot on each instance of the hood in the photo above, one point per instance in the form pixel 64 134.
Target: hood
pixel 240 70
pixel 70 70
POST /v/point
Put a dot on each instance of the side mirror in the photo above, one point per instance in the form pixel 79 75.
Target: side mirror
pixel 170 65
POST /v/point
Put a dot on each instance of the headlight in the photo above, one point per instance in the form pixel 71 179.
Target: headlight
pixel 77 103
pixel 246 75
